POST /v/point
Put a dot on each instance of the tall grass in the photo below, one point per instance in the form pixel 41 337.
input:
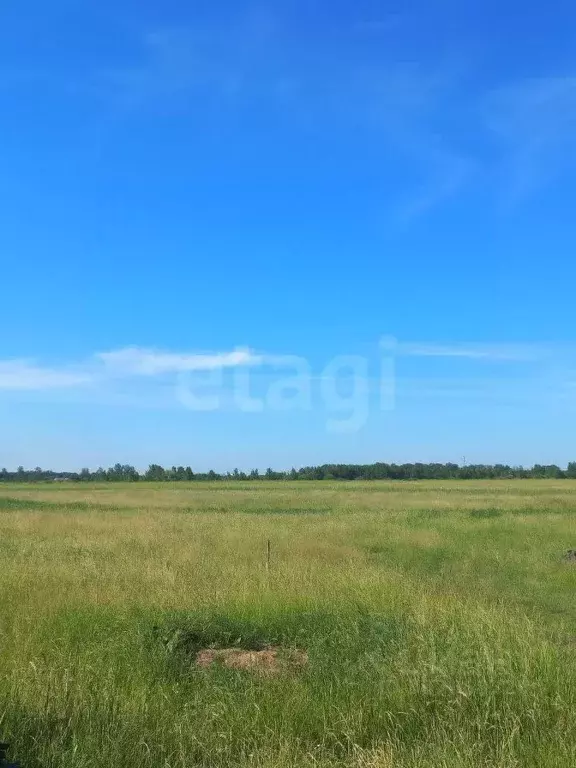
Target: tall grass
pixel 439 620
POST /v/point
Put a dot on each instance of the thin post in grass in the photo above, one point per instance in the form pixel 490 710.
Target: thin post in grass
pixel 268 556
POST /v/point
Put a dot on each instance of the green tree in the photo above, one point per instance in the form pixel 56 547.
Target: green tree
pixel 155 472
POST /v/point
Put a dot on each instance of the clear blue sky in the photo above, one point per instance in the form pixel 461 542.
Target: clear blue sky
pixel 196 189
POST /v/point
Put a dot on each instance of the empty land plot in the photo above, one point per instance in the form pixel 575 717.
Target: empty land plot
pixel 437 621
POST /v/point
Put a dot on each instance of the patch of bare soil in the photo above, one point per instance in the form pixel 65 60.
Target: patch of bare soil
pixel 269 662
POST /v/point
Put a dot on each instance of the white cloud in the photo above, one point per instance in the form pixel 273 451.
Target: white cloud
pixel 134 361
pixel 131 362
pixel 26 375
pixel 478 351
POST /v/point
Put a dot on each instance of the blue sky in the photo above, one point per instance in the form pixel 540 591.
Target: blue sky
pixel 203 195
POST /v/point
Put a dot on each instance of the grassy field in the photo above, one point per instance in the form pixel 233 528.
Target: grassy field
pixel 439 621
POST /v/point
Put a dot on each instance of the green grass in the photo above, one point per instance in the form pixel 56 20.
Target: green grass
pixel 439 619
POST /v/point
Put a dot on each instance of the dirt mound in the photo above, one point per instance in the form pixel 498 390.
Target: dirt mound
pixel 270 661
pixel 570 556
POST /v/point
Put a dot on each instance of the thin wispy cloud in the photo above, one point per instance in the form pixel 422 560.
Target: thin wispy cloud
pixel 542 389
pixel 134 361
pixel 250 62
pixel 172 64
pixel 103 367
pixel 480 351
pixel 166 67
pixel 503 374
pixel 444 137
pixel 28 375
pixel 534 121
pixel 446 174
pixel 419 108
pixel 377 26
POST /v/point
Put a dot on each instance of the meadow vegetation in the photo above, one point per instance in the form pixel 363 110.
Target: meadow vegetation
pixel 438 617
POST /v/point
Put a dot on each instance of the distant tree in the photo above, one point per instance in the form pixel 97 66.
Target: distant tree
pixel 180 474
pixel 130 473
pixel 553 471
pixel 155 472
pixel 333 472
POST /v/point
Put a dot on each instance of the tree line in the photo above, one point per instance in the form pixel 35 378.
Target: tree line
pixel 377 471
